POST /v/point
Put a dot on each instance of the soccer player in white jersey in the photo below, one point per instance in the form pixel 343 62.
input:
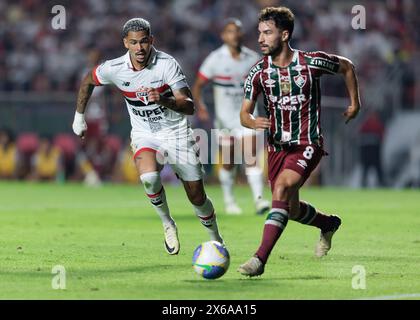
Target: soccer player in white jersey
pixel 158 99
pixel 227 68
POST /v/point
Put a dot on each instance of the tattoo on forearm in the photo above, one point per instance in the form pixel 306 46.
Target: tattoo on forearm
pixel 85 92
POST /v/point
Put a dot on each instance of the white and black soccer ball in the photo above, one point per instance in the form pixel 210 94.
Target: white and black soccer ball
pixel 211 260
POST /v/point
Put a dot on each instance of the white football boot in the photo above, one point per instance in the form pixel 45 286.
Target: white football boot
pixel 262 206
pixel 324 243
pixel 171 238
pixel 233 209
pixel 253 267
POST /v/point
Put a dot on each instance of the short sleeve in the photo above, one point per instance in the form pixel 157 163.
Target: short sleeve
pixel 323 63
pixel 252 86
pixel 174 76
pixel 206 70
pixel 101 74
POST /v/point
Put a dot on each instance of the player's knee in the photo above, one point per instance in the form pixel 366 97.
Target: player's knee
pixel 197 197
pixel 151 182
pixel 284 190
pixel 280 191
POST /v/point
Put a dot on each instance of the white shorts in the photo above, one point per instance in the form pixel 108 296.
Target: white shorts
pixel 182 154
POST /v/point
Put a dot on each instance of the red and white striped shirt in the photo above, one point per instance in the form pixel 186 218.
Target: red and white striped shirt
pixel 162 72
pixel 228 76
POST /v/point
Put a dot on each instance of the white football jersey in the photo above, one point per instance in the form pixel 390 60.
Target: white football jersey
pixel 162 72
pixel 228 76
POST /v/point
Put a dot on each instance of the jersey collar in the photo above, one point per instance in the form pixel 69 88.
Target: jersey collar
pixel 295 59
pixel 152 59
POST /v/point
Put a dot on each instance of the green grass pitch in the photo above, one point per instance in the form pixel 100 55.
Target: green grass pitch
pixel 110 242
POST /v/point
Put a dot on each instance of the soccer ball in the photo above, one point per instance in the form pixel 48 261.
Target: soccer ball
pixel 211 260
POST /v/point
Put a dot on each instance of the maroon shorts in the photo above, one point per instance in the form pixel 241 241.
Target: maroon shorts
pixel 302 159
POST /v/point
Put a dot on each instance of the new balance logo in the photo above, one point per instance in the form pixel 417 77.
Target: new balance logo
pixel 302 163
pixel 126 84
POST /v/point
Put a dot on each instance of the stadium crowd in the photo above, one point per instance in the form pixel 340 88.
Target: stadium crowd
pixel 36 58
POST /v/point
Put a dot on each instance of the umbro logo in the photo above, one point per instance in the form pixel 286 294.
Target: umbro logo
pixel 299 68
pixel 302 163
pixel 126 83
pixel 270 83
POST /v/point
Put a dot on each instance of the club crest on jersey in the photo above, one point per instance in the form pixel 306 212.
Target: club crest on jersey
pixel 300 80
pixel 141 94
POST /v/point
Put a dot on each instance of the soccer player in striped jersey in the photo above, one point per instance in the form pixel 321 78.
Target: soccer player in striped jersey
pixel 289 80
pixel 227 68
pixel 158 99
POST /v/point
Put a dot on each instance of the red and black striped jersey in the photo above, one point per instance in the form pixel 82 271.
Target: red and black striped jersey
pixel 292 96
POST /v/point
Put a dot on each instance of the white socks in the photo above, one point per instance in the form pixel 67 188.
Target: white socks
pixel 255 181
pixel 207 218
pixel 226 180
pixel 156 193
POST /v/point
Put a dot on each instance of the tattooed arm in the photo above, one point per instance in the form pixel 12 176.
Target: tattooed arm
pixel 85 91
pixel 181 101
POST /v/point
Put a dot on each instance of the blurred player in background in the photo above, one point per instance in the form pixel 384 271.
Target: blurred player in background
pixel 289 80
pixel 227 68
pixel 158 99
pixel 96 114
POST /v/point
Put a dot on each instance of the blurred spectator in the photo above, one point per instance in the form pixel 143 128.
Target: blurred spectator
pixel 9 156
pixel 27 144
pixel 68 148
pixel 36 57
pixel 47 162
pixel 371 135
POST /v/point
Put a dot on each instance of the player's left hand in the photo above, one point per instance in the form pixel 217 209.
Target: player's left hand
pixel 351 112
pixel 153 95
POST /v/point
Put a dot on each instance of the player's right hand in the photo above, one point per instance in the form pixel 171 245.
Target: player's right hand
pixel 262 123
pixel 79 124
pixel 351 112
